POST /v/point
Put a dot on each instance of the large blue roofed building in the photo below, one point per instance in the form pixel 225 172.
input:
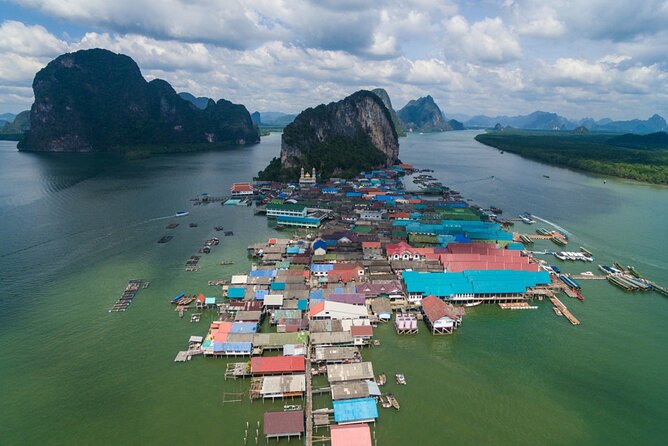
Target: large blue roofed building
pixel 495 285
pixel 357 410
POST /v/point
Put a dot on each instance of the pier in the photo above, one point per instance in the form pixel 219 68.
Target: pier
pixel 564 311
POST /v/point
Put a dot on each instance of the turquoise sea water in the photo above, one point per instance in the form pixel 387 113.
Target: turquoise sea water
pixel 76 229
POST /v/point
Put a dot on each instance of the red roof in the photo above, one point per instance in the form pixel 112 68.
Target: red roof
pixel 361 330
pixel 433 307
pixel 277 364
pixel 370 244
pixel 283 423
pixel 350 435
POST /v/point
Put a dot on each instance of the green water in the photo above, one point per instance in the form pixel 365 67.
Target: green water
pixel 75 229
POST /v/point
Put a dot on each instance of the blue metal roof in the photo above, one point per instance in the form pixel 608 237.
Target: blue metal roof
pixel 473 282
pixel 302 304
pixel 236 293
pixel 292 250
pixel 263 273
pixel 259 294
pixel 321 267
pixel 243 327
pixel 237 347
pixel 278 286
pixel 356 409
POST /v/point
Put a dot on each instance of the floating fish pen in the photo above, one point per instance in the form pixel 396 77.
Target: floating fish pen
pixel 165 238
pixel 405 324
pixel 191 263
pixel 128 295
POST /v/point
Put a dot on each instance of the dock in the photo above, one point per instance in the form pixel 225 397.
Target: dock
pixel 564 311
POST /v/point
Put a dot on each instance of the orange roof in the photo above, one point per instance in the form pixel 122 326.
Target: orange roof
pixel 351 435
pixel 220 337
pixel 317 308
pixel 370 244
pixel 242 187
pixel 200 298
pixel 361 330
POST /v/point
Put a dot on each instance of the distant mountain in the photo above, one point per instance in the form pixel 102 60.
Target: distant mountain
pixel 423 115
pixel 7 117
pixel 654 124
pixel 275 119
pixel 537 120
pixel 98 101
pixel 338 139
pixel 200 102
pixel 20 124
pixel 398 125
pixel 540 120
pixel 652 141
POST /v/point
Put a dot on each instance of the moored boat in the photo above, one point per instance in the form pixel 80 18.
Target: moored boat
pixel 181 214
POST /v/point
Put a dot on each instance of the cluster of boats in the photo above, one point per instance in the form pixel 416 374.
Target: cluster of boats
pixel 527 218
pixel 206 249
pixel 569 255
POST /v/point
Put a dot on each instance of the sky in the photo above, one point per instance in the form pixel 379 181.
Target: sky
pixel 584 58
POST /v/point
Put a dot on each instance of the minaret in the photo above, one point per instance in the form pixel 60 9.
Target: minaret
pixel 313 175
pixel 301 177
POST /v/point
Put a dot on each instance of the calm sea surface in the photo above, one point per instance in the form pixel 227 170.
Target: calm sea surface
pixel 75 229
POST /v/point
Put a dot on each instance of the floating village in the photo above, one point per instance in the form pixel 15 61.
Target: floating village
pixel 391 246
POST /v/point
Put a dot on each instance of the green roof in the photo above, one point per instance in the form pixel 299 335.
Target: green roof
pixel 286 207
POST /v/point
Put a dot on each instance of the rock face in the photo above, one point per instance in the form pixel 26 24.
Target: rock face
pixel 98 101
pixel 423 115
pixel 398 125
pixel 341 138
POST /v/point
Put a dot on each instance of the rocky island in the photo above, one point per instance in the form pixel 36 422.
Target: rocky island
pixel 98 101
pixel 423 115
pixel 339 139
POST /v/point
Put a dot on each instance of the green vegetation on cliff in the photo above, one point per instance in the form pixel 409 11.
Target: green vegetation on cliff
pixel 338 157
pixel 339 139
pixel 593 152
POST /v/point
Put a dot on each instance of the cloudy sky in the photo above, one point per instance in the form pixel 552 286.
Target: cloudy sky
pixel 597 58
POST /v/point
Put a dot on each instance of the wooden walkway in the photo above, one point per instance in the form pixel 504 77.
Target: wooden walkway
pixel 308 409
pixel 567 314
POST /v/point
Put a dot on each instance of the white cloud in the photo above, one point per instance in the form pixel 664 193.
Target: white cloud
pixel 486 41
pixel 29 40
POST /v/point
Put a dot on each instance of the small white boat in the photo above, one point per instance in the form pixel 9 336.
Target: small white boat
pixel 473 304
pixel 401 379
pixel 181 214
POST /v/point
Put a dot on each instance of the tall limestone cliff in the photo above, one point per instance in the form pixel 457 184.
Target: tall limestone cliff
pixel 423 115
pixel 98 101
pixel 382 94
pixel 338 139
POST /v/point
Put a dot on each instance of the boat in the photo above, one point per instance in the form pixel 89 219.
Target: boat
pixel 473 304
pixel 586 251
pixel 558 240
pixel 633 271
pixel 660 289
pixel 385 402
pixel 381 379
pixel 290 407
pixel 557 311
pixel 177 297
pixel 526 218
pixel 227 262
pixel 546 176
pixel 193 225
pixel 165 238
pixel 555 269
pixel 393 401
pixel 219 228
pixel 400 378
pixel 181 214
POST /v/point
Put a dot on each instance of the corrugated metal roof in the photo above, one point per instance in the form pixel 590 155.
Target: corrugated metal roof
pixel 359 409
pixel 283 423
pixel 277 364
